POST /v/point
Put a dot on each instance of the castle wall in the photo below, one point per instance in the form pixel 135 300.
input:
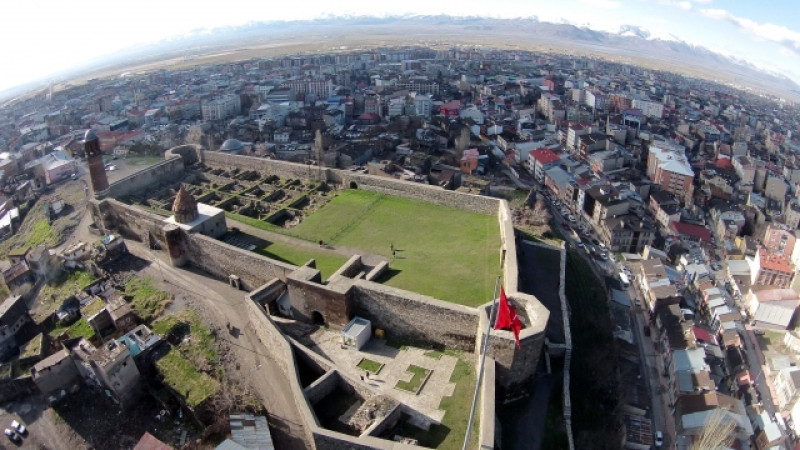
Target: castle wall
pixel 282 169
pixel 163 172
pixel 415 317
pixel 308 296
pixel 322 387
pixel 509 248
pixel 417 191
pixel 130 222
pixel 281 352
pixel 222 260
pixel 516 367
pixel 190 153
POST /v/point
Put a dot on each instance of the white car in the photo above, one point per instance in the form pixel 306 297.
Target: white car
pixel 12 436
pixel 659 439
pixel 18 427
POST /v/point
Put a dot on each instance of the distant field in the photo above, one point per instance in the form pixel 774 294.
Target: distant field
pixel 443 252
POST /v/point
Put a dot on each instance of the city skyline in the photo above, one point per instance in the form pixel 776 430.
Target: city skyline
pixel 764 37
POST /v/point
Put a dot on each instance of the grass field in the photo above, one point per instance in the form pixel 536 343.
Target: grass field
pixel 148 302
pixel 443 252
pixel 370 365
pixel 327 262
pixel 449 435
pixel 182 376
pixel 413 385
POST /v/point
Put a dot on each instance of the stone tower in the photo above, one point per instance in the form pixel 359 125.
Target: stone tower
pixel 97 171
pixel 185 206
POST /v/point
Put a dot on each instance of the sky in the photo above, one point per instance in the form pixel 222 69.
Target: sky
pixel 43 37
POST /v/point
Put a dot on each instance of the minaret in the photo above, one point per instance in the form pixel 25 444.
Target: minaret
pixel 97 171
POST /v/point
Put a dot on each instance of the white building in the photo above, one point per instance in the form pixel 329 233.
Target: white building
pixel 423 105
pixel 649 108
pixel 222 108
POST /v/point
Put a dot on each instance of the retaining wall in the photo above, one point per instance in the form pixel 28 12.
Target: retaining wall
pixel 131 222
pixel 416 317
pixel 322 387
pixel 222 260
pixel 167 171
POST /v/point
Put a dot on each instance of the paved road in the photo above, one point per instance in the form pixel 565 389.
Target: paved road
pixel 651 366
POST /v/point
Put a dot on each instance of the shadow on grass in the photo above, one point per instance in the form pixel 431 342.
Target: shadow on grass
pixel 432 438
pixel 388 275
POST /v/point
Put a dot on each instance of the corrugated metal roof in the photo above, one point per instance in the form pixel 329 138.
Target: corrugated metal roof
pixel 251 431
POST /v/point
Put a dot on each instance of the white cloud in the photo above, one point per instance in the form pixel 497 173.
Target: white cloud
pixel 605 4
pixel 788 39
pixel 685 4
pixel 706 2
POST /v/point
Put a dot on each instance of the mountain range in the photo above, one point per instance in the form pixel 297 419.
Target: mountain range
pixel 632 44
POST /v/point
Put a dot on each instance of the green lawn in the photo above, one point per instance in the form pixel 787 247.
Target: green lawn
pixel 370 365
pixel 327 262
pixel 416 381
pixel 148 302
pixel 41 234
pixel 449 435
pixel 182 376
pixel 80 328
pixel 443 252
pixel 56 291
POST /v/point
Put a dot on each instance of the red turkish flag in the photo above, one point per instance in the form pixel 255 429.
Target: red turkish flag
pixel 507 317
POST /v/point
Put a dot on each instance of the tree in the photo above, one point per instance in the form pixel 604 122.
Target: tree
pixel 717 433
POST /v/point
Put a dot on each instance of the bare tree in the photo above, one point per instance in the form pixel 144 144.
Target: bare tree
pixel 717 433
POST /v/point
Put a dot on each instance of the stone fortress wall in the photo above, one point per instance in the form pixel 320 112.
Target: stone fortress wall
pixel 419 318
pixel 166 171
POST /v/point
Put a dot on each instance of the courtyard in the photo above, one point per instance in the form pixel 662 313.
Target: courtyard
pixel 443 252
pixel 443 394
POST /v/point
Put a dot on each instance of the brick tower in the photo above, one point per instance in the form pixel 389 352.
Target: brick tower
pixel 97 171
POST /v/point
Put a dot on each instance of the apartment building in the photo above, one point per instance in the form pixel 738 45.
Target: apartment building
pixel 668 167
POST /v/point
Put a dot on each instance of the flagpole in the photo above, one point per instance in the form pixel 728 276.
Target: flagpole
pixel 480 369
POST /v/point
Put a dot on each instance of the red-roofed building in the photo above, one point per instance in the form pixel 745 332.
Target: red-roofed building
pixel 690 231
pixel 724 164
pixel 774 270
pixel 469 160
pixel 703 335
pixel 150 442
pixel 368 119
pixel 540 160
pixel 451 109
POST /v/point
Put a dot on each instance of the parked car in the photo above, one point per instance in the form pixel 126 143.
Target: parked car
pixel 12 436
pixel 659 439
pixel 19 428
